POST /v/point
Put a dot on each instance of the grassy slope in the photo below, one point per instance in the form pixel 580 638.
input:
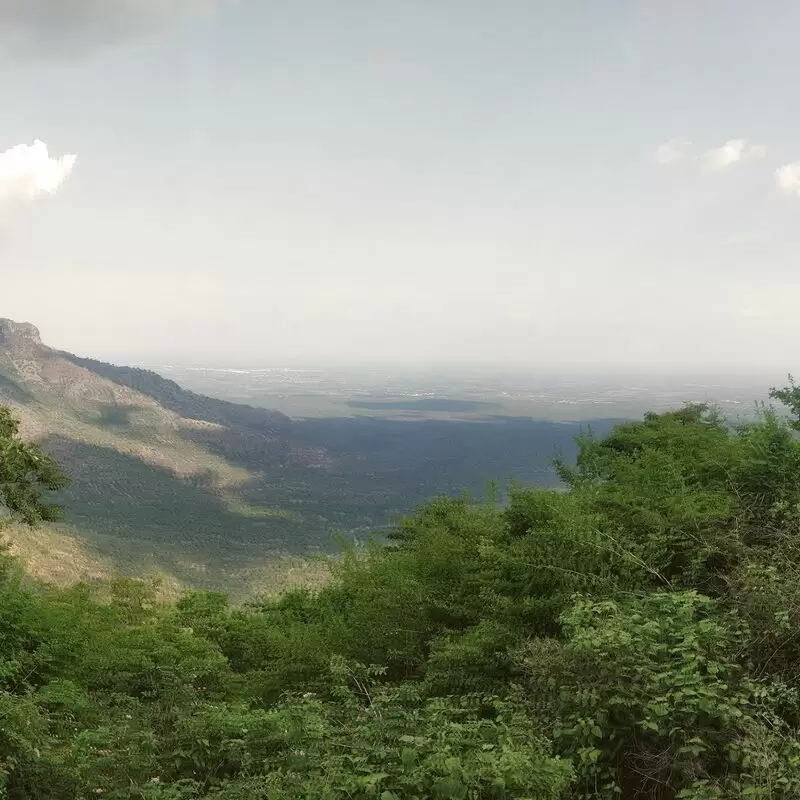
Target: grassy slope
pixel 147 496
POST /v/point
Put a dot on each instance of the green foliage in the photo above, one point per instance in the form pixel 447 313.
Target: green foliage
pixel 391 742
pixel 790 397
pixel 26 475
pixel 652 696
pixel 637 635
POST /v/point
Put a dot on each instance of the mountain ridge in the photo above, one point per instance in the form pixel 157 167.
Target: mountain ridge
pixel 154 466
pixel 28 362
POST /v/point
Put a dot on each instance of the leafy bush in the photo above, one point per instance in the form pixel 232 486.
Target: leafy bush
pixel 636 635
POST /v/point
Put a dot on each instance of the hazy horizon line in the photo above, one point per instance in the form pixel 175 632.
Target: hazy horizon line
pixel 569 371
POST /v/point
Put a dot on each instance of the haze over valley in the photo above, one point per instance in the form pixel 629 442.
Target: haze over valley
pixel 472 394
pixel 396 400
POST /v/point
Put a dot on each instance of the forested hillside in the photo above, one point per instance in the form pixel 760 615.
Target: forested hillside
pixel 636 636
pixel 207 494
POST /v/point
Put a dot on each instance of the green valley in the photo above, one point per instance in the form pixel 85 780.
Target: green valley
pixel 208 493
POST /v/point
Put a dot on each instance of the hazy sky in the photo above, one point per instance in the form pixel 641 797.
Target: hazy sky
pixel 521 181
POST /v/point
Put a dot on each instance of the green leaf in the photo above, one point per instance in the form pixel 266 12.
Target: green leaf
pixel 408 757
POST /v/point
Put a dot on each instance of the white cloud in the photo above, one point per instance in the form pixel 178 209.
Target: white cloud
pixel 788 178
pixel 732 151
pixel 27 171
pixel 672 151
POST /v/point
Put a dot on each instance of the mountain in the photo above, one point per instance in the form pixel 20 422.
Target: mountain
pixel 209 493
pixel 162 478
pixel 132 405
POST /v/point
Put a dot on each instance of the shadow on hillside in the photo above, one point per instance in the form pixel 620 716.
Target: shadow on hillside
pixel 448 455
pixel 13 391
pixel 383 469
pixel 138 515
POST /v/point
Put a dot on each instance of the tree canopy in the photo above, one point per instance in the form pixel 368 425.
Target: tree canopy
pixel 635 635
pixel 27 475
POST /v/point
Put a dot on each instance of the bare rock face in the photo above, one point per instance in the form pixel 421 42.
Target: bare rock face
pixel 15 335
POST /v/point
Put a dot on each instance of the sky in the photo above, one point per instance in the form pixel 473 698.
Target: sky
pixel 524 183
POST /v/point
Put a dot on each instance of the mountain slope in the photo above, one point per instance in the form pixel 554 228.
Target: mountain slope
pixel 211 493
pixel 161 477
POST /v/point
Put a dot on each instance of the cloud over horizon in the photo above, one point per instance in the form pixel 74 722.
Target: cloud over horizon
pixel 57 27
pixel 732 151
pixel 28 171
pixel 788 178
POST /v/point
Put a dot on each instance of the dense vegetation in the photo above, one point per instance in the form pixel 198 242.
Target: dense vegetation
pixel 637 635
pixel 381 468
